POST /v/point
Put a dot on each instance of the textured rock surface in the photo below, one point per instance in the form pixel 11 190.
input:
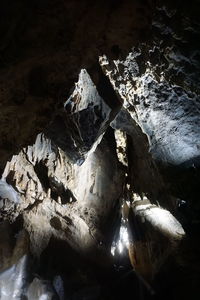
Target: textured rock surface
pixel 159 84
pixel 43 47
pixel 85 118
pixel 143 173
pixel 63 195
pixel 16 278
pixel 57 196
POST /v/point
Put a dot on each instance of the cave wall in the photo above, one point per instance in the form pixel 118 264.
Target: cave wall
pixel 43 47
pixel 112 88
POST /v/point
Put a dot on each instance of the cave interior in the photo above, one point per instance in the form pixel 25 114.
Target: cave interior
pixel 99 149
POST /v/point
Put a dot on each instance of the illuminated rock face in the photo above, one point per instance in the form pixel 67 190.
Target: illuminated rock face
pixel 68 197
pixel 43 48
pixel 99 148
pixel 159 84
pixel 73 188
pixel 16 278
pixel 85 117
pixel 58 197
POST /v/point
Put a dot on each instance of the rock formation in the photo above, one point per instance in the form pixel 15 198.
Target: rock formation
pixel 99 149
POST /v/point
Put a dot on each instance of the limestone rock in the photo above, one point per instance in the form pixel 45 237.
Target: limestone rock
pixel 13 280
pixel 88 194
pixel 160 90
pixel 39 289
pixel 91 154
pixel 43 47
pixel 85 118
pixel 144 175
